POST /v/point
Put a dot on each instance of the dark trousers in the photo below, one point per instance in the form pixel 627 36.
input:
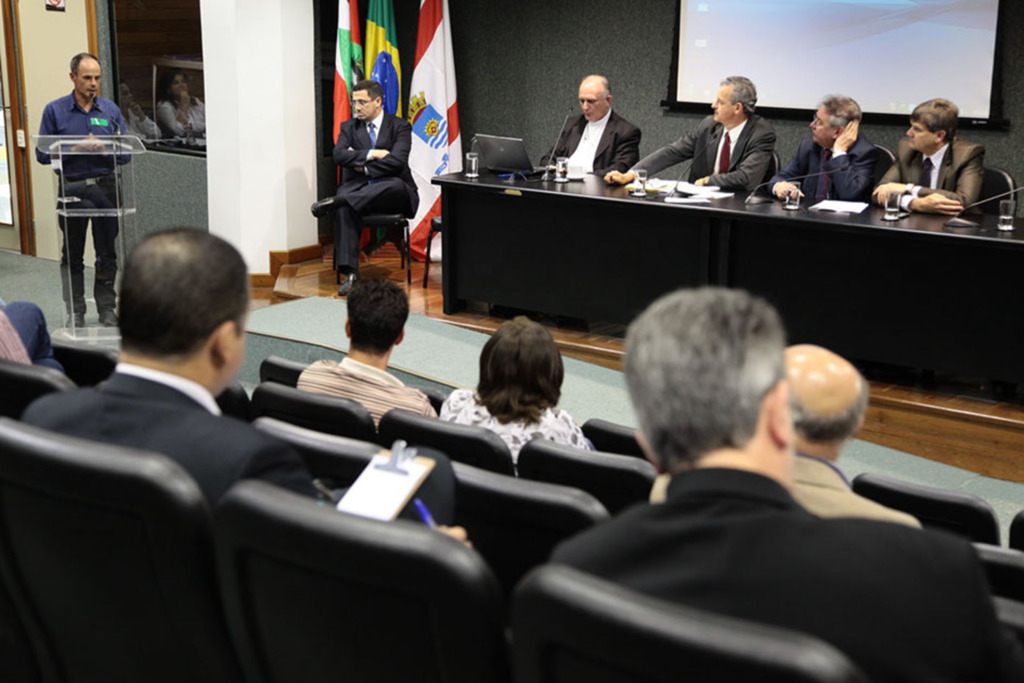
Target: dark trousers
pixel 385 195
pixel 29 322
pixel 91 195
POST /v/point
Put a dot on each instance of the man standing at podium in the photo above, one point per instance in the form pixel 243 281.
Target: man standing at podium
pixel 90 178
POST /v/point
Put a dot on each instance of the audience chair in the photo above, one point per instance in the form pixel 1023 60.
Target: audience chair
pixel 338 461
pixel 474 446
pixel 281 370
pixel 234 402
pixel 883 163
pixel 617 481
pixel 514 523
pixel 1004 568
pixel 996 181
pixel 436 226
pixel 84 365
pixel 315 595
pixel 106 553
pixel 328 414
pixel 21 384
pixel 1011 615
pixel 609 437
pixel 569 627
pixel 959 513
pixel 1017 532
pixel 437 397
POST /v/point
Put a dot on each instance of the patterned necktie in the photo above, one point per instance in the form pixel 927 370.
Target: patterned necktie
pixel 822 191
pixel 926 174
pixel 723 158
pixel 370 128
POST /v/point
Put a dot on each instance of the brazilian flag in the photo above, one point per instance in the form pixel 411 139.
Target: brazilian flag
pixel 382 54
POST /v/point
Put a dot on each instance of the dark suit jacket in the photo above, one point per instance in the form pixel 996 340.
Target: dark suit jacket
pixel 394 135
pixel 617 150
pixel 903 604
pixel 963 168
pixel 216 451
pixel 850 178
pixel 748 159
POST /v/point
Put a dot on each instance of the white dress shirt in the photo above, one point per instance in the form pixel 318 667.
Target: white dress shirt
pixel 194 391
pixel 587 149
pixel 734 135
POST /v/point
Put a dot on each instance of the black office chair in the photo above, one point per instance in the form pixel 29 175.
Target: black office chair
pixel 328 414
pixel 21 384
pixel 84 365
pixel 234 402
pixel 514 523
pixel 106 553
pixel 883 163
pixel 312 594
pixel 281 370
pixel 996 181
pixel 570 627
pixel 1004 568
pixel 609 437
pixel 960 513
pixel 1017 532
pixel 437 397
pixel 618 481
pixel 337 460
pixel 474 446
pixel 397 226
pixel 1011 615
pixel 436 226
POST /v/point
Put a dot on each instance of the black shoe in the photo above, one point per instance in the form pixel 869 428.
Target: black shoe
pixel 346 284
pixel 325 206
pixel 108 318
pixel 79 320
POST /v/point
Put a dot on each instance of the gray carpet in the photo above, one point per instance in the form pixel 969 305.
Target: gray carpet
pixel 436 354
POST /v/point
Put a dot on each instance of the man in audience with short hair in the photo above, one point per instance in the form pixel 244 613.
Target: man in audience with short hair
pixel 183 305
pixel 377 311
pixel 706 373
pixel 829 397
pixel 935 171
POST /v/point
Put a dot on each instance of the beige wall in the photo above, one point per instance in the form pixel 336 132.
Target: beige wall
pixel 48 41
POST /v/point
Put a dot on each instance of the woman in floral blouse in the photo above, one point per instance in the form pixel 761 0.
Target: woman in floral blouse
pixel 520 384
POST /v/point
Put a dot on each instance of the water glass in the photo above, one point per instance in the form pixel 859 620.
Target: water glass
pixel 562 170
pixel 892 206
pixel 472 165
pixel 792 197
pixel 1007 210
pixel 640 183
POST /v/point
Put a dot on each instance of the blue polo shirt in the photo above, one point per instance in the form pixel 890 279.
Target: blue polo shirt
pixel 64 116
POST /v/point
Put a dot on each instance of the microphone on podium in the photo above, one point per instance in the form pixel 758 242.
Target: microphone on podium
pixel 752 198
pixel 957 222
pixel 561 131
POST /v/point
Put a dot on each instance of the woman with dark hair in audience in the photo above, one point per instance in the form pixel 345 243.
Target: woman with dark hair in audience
pixel 179 114
pixel 520 384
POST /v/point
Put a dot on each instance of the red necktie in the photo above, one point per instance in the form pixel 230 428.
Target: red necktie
pixel 723 158
pixel 822 192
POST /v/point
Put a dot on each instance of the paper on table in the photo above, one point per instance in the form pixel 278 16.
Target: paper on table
pixel 838 206
pixel 704 199
pixel 382 493
pixel 690 188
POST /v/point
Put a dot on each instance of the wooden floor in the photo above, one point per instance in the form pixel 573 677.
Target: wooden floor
pixel 950 420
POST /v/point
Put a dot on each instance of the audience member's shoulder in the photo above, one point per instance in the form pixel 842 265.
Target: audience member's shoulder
pixel 53 408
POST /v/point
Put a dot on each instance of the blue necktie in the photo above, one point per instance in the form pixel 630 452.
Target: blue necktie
pixel 373 135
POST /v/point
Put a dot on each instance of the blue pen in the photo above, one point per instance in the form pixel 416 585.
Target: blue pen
pixel 424 513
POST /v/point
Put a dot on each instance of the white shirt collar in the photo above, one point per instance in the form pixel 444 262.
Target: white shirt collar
pixel 194 391
pixel 377 122
pixel 369 372
pixel 938 156
pixel 734 134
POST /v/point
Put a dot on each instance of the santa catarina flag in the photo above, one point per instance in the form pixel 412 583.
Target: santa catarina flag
pixel 434 115
pixel 348 61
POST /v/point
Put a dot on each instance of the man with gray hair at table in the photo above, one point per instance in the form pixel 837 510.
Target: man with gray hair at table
pixel 829 398
pixel 730 149
pixel 706 374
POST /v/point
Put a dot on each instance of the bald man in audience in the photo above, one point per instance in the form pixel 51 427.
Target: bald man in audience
pixel 828 398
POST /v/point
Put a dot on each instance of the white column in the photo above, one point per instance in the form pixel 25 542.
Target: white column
pixel 260 124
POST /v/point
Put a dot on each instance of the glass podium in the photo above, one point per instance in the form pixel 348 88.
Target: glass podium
pixel 95 189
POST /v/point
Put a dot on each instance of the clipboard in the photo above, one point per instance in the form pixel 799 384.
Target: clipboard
pixel 387 484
